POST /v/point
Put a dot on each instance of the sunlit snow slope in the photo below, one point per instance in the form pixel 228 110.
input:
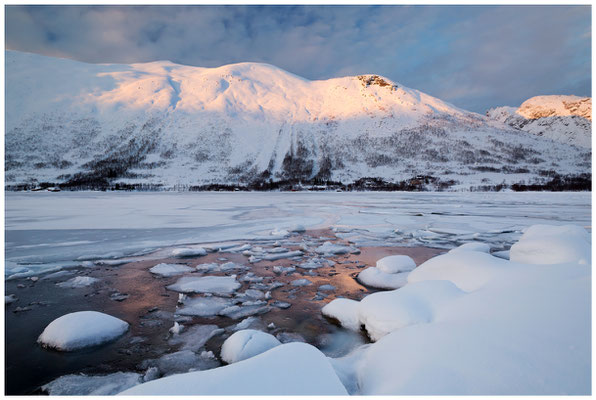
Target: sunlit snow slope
pixel 164 124
pixel 566 119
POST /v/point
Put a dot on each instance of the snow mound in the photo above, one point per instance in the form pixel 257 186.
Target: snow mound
pixel 81 329
pixel 376 278
pixel 544 244
pixel 345 311
pixel 9 299
pixel 78 282
pixel 99 385
pixel 395 264
pixel 246 344
pixel 206 284
pixel 468 270
pixel 167 270
pixel 415 303
pixel 293 368
pixel 473 246
pixel 189 252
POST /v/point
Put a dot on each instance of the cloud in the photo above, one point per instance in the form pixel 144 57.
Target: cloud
pixel 473 56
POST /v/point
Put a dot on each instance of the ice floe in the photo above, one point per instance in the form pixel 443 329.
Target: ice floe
pixel 206 284
pixel 78 282
pixel 204 306
pixel 332 248
pixel 9 299
pixel 189 252
pixel 194 337
pixel 167 270
pixel 92 385
pixel 81 329
pixel 245 344
pixel 301 282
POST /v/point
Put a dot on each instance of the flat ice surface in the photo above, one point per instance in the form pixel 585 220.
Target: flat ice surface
pixel 206 284
pixel 169 269
pixel 81 329
pixel 50 230
pixel 269 373
pixel 94 385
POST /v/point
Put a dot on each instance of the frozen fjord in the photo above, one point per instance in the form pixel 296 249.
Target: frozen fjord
pixel 48 231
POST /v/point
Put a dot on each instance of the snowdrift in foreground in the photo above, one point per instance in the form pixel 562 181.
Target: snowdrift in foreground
pixel 543 244
pixel 293 368
pixel 470 323
pixel 81 329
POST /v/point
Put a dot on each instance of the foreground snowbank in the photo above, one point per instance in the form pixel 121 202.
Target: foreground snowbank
pixel 293 368
pixel 471 323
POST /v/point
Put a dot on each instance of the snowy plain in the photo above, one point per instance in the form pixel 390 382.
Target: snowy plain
pixel 49 231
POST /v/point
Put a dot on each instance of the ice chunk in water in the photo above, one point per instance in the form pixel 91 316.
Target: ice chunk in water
pixel 189 252
pixel 99 385
pixel 206 284
pixel 204 306
pixel 195 337
pixel 78 282
pixel 301 282
pixel 167 270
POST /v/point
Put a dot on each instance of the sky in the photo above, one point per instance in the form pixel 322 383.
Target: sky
pixel 475 57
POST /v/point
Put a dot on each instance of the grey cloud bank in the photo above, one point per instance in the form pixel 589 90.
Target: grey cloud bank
pixel 473 56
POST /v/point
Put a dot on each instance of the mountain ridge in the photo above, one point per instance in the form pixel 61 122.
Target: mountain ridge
pixel 159 123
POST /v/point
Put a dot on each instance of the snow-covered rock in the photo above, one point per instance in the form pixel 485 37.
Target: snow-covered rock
pixel 81 329
pixel 468 270
pixel 169 269
pixel 472 246
pixel 376 278
pixel 92 385
pixel 245 344
pixel 345 311
pixel 545 244
pixel 293 368
pixel 395 264
pixel 415 303
pixel 206 284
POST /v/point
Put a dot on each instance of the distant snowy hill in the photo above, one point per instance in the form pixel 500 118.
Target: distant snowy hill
pixel 566 119
pixel 158 123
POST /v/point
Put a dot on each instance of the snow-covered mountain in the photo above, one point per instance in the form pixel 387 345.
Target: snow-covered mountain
pixel 160 123
pixel 566 119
